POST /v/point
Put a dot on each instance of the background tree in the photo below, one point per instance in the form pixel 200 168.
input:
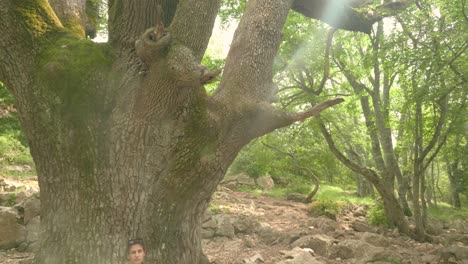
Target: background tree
pixel 125 139
pixel 433 73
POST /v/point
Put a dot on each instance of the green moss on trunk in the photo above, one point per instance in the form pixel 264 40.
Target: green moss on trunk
pixel 37 15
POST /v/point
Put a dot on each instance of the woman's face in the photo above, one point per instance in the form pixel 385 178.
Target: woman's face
pixel 136 254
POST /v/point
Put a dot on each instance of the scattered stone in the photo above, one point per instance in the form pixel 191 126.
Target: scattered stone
pixel 319 243
pixel 244 225
pixel 299 256
pixel 249 242
pixel 323 223
pixel 12 234
pixel 267 234
pixel 265 183
pixel 341 251
pixel 207 233
pixel 450 253
pixel 256 259
pixel 360 226
pixel 33 229
pixel 375 240
pixel 224 226
pixel 32 209
pixel 10 188
pixel 290 237
pixel 3 184
pixel 360 211
pixel 236 181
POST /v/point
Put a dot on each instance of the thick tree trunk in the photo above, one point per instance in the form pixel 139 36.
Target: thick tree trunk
pixel 393 210
pixel 125 139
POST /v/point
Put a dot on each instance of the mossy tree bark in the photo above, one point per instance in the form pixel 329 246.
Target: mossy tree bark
pixel 126 142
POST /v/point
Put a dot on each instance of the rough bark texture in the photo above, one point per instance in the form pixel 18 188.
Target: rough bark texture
pixel 125 140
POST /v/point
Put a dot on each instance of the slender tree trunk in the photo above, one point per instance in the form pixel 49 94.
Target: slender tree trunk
pixel 364 188
pixel 454 193
pixel 423 199
pixel 417 174
pixel 394 211
pixel 432 196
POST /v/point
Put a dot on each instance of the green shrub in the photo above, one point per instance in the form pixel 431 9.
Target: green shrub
pixel 13 151
pixel 329 208
pixel 376 215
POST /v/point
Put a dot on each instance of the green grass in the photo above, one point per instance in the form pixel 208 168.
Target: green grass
pixel 446 212
pixel 14 158
pixel 327 192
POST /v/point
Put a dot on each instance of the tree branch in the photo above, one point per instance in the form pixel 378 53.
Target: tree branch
pixel 345 14
pixel 441 122
pixel 370 174
pixel 265 118
pixel 20 36
pixel 193 24
pixel 314 111
pixel 248 72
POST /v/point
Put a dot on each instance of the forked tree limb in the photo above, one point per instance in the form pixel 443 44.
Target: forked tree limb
pixel 314 111
pixel 267 118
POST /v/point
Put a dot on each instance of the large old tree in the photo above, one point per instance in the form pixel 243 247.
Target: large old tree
pixel 125 140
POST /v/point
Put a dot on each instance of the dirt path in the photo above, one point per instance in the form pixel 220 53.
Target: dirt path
pixel 263 229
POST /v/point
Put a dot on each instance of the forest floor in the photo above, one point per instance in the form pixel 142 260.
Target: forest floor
pixel 282 225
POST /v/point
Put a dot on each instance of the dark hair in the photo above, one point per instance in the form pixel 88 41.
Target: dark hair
pixel 135 241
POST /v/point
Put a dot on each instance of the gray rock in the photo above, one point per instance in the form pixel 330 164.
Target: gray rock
pixel 289 238
pixel 324 223
pixel 256 259
pixel 238 180
pixel 2 183
pixel 32 208
pixel 210 224
pixel 300 256
pixel 21 197
pixel 33 229
pixel 245 225
pixel 207 233
pixel 360 226
pixel 224 226
pixel 268 235
pixel 458 253
pixel 12 234
pixel 265 183
pixel 360 211
pixel 248 242
pixel 341 251
pixel 375 240
pixel 319 243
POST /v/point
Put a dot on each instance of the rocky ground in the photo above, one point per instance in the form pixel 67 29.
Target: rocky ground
pixel 246 228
